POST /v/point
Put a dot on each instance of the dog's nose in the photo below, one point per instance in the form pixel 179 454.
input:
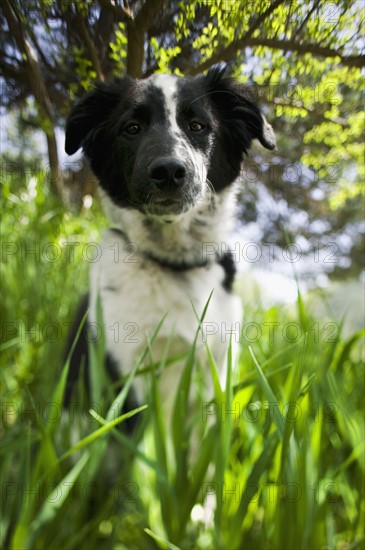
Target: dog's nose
pixel 167 171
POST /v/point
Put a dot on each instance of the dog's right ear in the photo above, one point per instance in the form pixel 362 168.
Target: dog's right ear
pixel 90 113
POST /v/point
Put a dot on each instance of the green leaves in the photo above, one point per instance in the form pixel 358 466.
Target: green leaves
pixel 119 49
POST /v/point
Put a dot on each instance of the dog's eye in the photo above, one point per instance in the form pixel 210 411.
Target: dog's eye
pixel 133 129
pixel 196 126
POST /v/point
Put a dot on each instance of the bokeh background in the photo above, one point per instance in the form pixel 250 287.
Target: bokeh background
pixel 299 247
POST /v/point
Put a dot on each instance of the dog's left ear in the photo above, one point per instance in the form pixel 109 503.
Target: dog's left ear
pixel 89 114
pixel 235 103
pixel 267 136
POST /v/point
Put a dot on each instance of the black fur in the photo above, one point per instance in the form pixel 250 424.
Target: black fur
pixel 98 121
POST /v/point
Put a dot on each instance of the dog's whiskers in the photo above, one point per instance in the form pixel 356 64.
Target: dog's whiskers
pixel 210 187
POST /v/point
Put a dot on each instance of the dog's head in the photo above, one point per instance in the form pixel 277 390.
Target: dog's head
pixel 159 145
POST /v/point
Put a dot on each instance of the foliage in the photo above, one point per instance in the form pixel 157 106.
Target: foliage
pixel 118 49
pixel 272 459
pixel 43 268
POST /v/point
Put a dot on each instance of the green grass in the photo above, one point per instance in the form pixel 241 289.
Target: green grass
pixel 279 451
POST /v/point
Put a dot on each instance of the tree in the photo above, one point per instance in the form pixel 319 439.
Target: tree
pixel 303 59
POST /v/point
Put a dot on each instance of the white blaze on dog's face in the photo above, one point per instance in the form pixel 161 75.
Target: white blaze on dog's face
pixel 162 144
pixel 182 148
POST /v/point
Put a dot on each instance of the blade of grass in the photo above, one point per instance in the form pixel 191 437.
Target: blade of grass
pixel 59 392
pixel 251 377
pixel 357 454
pixel 47 456
pixel 37 470
pixel 344 349
pixel 166 545
pixel 225 434
pixel 122 396
pixel 155 366
pixel 179 413
pixel 218 393
pixel 260 467
pixel 127 443
pixel 56 499
pixel 168 504
pixel 278 419
pixel 26 511
pixel 117 406
pixel 96 349
pixel 289 425
pixel 198 472
pixel 10 343
pixel 180 435
pixel 100 431
pixel 180 432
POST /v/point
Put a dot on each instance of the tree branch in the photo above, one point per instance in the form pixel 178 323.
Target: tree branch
pixel 229 51
pixel 147 14
pixel 120 14
pixel 276 44
pixel 17 72
pixel 298 31
pixel 89 44
pixel 103 35
pixel 320 51
pixel 285 45
pixel 39 89
pixel 310 110
pixel 260 20
pixel 136 31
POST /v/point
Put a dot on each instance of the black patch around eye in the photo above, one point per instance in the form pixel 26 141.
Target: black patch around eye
pixel 139 115
pixel 132 129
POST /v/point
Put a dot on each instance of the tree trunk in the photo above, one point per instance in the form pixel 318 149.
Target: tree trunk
pixel 55 171
pixel 136 30
pixel 40 92
pixel 135 50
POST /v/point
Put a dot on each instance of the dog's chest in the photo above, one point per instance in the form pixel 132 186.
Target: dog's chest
pixel 136 293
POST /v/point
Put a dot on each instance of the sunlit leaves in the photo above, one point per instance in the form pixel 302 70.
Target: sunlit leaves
pixel 206 43
pixel 84 69
pixel 164 56
pixel 119 49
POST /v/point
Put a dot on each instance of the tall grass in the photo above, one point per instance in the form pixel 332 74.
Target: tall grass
pixel 274 459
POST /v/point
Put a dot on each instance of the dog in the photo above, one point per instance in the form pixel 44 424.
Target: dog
pixel 167 152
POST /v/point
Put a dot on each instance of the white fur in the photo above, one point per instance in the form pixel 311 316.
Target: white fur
pixel 168 85
pixel 184 239
pixel 136 293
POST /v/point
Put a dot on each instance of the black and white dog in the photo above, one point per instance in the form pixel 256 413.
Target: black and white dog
pixel 167 152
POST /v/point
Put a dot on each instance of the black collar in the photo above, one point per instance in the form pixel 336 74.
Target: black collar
pixel 226 261
pixel 174 266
